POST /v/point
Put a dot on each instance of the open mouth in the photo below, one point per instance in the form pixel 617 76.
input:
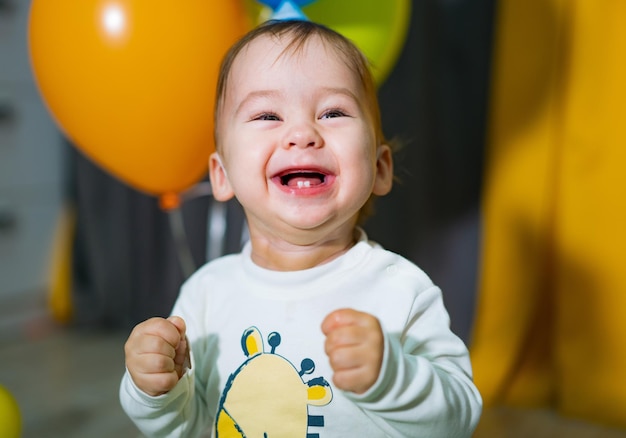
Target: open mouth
pixel 302 179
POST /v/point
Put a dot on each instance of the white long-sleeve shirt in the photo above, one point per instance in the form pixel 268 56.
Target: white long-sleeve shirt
pixel 259 367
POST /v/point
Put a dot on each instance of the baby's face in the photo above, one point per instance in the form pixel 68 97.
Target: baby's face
pixel 297 139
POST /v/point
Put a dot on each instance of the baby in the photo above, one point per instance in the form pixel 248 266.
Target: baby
pixel 312 330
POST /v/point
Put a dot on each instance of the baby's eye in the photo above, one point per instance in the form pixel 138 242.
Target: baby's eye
pixel 267 116
pixel 332 113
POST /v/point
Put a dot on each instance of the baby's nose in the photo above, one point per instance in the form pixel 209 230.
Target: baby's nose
pixel 303 135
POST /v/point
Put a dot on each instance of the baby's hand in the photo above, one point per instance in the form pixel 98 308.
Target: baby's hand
pixel 354 345
pixel 157 354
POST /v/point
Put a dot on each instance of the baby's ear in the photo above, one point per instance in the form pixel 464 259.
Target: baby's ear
pixel 222 190
pixel 384 171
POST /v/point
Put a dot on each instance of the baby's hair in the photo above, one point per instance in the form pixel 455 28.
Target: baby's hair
pixel 300 32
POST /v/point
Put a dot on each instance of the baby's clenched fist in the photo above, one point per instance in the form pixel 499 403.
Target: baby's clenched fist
pixel 157 354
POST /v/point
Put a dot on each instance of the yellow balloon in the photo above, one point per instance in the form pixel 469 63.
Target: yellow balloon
pixel 378 28
pixel 10 418
pixel 132 82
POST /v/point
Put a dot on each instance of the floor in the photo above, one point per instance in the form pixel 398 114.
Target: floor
pixel 66 381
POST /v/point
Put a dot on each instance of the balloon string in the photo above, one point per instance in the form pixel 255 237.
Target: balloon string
pixel 216 228
pixel 197 191
pixel 177 224
pixel 181 242
pixel 172 204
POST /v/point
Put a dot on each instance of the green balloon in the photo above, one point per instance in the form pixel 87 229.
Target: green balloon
pixel 378 28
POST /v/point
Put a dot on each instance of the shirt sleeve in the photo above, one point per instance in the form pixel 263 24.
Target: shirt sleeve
pixel 183 410
pixel 162 416
pixel 425 385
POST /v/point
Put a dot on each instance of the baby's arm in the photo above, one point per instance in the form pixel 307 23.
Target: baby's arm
pixel 156 353
pixel 414 383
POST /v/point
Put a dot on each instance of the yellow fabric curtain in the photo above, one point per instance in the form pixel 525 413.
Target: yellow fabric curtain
pixel 551 314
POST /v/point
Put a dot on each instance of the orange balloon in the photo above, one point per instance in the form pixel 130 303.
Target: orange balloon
pixel 132 82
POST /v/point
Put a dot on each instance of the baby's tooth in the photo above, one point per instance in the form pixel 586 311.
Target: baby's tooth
pixel 300 184
pixel 307 184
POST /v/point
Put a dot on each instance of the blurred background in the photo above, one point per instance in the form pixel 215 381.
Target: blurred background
pixel 511 196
